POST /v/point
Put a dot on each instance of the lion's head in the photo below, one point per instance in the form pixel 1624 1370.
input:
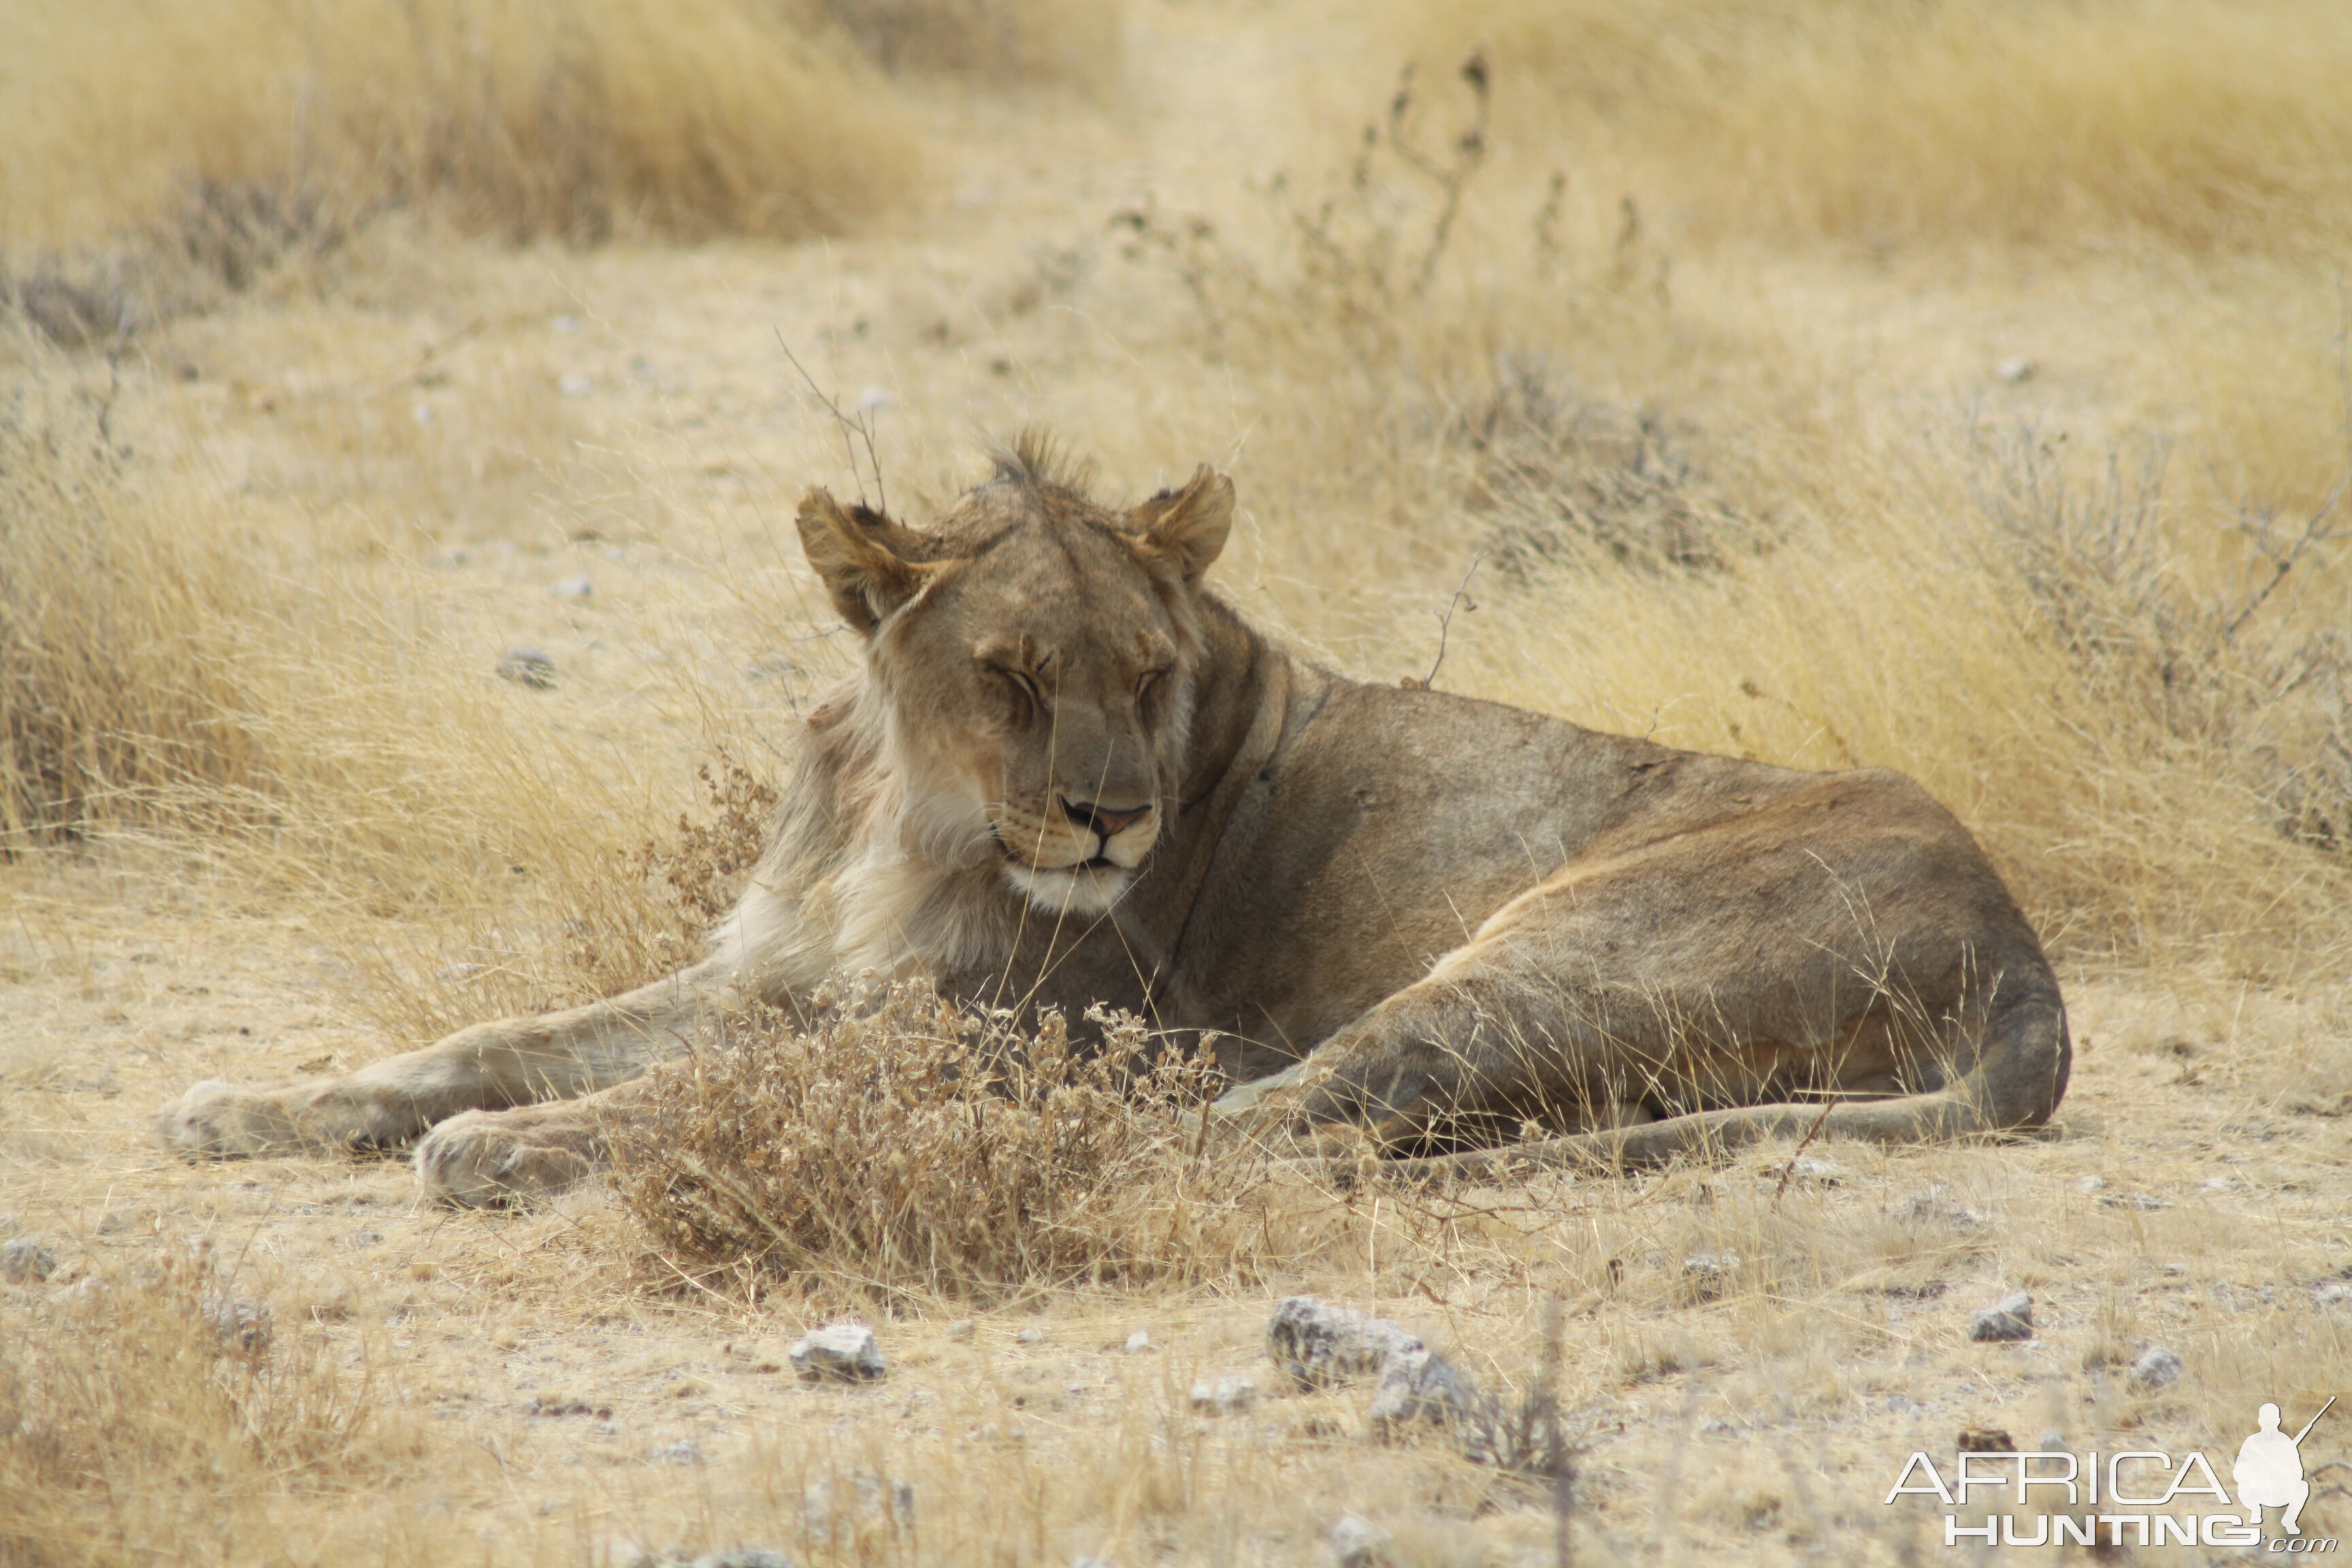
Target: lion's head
pixel 1035 657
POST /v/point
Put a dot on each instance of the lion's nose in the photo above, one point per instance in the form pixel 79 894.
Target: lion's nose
pixel 1106 820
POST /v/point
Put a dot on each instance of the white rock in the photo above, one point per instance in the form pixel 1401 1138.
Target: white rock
pixel 574 588
pixel 2008 1318
pixel 959 1329
pixel 576 386
pixel 838 1353
pixel 1320 1346
pixel 743 1557
pixel 2157 1368
pixel 1138 1341
pixel 2013 371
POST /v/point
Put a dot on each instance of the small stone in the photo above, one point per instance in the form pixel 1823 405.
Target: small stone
pixel 2008 1318
pixel 2142 1201
pixel 1419 1386
pixel 1708 1275
pixel 960 1329
pixel 2157 1368
pixel 2013 371
pixel 245 1327
pixel 874 399
pixel 838 1353
pixel 528 667
pixel 1823 1172
pixel 2091 1184
pixel 25 1261
pixel 1138 1341
pixel 2333 1294
pixel 743 1557
pixel 567 325
pixel 574 588
pixel 685 1451
pixel 1717 1428
pixel 1357 1543
pixel 576 386
pixel 1224 1396
pixel 1029 1337
pixel 1320 1346
pixel 2176 1268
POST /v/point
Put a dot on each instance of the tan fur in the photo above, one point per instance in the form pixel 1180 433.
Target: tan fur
pixel 1068 774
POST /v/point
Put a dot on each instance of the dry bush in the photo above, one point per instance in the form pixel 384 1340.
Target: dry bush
pixel 2208 123
pixel 1010 43
pixel 205 141
pixel 144 1412
pixel 903 1149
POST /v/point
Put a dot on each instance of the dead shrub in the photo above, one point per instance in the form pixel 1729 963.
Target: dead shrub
pixel 899 1148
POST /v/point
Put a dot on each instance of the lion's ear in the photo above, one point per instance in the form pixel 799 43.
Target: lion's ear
pixel 1187 527
pixel 855 551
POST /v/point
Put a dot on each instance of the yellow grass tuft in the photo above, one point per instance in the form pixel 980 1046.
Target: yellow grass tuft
pixel 521 119
pixel 2208 123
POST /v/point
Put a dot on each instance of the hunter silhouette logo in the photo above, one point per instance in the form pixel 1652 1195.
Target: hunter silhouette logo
pixel 2269 1472
pixel 2123 1493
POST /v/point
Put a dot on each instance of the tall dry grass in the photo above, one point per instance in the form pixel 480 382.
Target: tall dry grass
pixel 2206 124
pixel 202 142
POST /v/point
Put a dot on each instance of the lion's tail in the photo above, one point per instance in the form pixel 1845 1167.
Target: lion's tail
pixel 2019 1075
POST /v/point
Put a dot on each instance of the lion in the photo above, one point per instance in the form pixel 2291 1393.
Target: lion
pixel 1459 936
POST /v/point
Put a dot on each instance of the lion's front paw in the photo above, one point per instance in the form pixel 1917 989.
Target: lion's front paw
pixel 221 1122
pixel 489 1159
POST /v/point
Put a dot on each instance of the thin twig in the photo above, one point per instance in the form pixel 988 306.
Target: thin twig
pixel 1790 1169
pixel 858 425
pixel 1445 625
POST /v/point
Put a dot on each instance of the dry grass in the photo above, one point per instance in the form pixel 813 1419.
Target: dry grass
pixel 902 1149
pixel 205 144
pixel 145 1409
pixel 2194 123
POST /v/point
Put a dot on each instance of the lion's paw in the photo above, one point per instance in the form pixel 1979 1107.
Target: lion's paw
pixel 492 1159
pixel 219 1120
